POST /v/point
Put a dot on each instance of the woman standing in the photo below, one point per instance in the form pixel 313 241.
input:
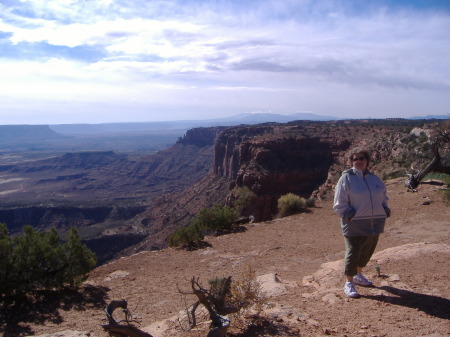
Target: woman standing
pixel 361 202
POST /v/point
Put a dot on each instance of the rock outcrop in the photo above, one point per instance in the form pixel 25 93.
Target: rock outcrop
pixel 115 200
pixel 307 158
pixel 201 136
pixel 206 166
pixel 273 160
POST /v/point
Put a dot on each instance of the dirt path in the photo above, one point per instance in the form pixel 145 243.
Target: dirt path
pixel 300 258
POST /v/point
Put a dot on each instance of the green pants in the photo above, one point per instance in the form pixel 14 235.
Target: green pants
pixel 358 251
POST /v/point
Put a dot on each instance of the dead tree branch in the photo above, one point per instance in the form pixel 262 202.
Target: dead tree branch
pixel 204 298
pixel 214 301
pixel 116 329
pixel 435 165
pixel 223 298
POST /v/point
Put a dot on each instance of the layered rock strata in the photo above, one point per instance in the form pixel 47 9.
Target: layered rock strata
pixel 273 160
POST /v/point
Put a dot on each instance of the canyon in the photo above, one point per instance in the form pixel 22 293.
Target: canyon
pixel 123 204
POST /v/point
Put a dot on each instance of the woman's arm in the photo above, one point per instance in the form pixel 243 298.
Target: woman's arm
pixel 342 205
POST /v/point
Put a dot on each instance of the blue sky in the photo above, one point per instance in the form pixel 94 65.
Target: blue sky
pixel 80 61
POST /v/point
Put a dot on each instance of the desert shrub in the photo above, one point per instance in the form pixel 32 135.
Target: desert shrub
pixel 215 219
pixel 236 295
pixel 220 292
pixel 187 237
pixel 224 301
pixel 244 198
pixel 40 260
pixel 246 292
pixel 290 204
pixel 36 255
pixel 79 259
pixel 6 261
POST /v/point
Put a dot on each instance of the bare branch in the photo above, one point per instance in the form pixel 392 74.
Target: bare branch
pixel 435 165
pixel 116 329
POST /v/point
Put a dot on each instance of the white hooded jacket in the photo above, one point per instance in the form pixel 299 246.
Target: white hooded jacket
pixel 361 202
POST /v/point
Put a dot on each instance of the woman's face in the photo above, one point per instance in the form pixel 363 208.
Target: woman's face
pixel 359 161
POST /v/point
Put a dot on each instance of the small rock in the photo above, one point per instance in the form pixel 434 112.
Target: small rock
pixel 117 274
pixel 271 285
pixel 394 278
pixel 312 322
pixel 330 299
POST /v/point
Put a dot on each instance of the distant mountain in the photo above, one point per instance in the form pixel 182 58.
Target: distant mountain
pixel 19 133
pixel 154 127
pixel 41 132
pixel 431 117
pixel 135 127
pixel 257 118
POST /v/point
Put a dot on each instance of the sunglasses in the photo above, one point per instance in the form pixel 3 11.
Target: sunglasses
pixel 359 158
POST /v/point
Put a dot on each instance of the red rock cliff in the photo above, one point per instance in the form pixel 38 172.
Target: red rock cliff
pixel 272 160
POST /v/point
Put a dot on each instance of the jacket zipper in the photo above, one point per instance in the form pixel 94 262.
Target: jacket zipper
pixel 371 203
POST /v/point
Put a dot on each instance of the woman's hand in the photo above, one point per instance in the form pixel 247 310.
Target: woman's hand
pixel 348 215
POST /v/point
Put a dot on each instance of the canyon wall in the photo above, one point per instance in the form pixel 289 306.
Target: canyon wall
pixel 272 160
pixel 307 158
pixel 200 136
pixel 127 203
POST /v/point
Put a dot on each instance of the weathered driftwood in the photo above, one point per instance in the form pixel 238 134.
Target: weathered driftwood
pixel 435 165
pixel 116 329
pixel 214 301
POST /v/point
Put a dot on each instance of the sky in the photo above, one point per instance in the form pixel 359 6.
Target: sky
pixel 98 61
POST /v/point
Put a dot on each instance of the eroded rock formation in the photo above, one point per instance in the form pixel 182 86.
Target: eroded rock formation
pixel 273 160
pixel 206 166
pixel 307 158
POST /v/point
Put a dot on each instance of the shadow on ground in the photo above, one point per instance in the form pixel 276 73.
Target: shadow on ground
pixel 432 305
pixel 261 326
pixel 43 307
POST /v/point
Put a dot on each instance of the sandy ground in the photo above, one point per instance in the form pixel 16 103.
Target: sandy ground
pixel 299 262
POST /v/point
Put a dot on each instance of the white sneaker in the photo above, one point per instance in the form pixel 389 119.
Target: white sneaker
pixel 349 289
pixel 361 280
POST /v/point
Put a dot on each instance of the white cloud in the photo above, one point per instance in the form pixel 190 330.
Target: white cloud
pixel 286 56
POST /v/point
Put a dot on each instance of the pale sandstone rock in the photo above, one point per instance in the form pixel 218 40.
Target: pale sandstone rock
pixel 66 333
pixel 271 285
pixel 116 274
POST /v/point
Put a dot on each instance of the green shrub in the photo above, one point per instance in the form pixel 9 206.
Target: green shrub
pixel 244 198
pixel 290 204
pixel 39 260
pixel 217 219
pixel 78 258
pixel 187 237
pixel 6 261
